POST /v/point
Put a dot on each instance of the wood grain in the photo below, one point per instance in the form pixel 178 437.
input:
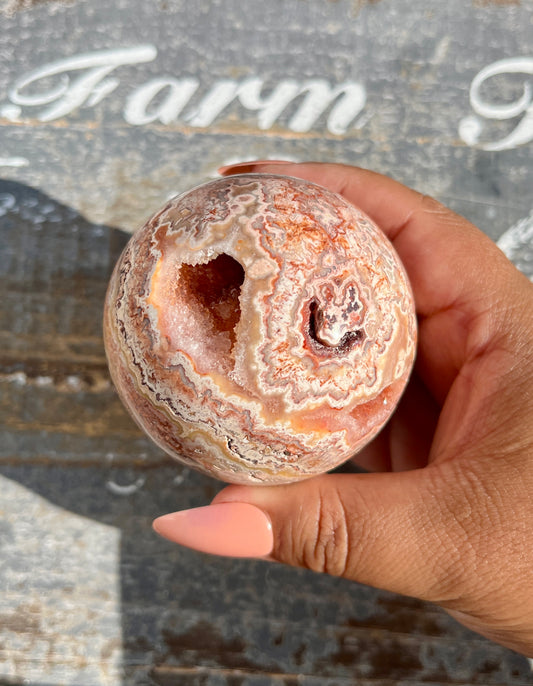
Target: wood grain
pixel 89 595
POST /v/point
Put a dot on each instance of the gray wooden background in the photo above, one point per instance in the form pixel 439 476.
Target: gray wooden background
pixel 106 109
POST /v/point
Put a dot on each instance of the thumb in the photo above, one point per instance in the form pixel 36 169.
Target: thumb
pixel 397 531
pixel 409 532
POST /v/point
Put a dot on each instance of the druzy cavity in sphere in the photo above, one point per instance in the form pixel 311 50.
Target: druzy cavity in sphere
pixel 260 329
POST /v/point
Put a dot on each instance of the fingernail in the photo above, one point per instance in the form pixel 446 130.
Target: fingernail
pixel 245 167
pixel 230 529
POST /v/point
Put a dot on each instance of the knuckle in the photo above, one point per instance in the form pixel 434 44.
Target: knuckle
pixel 326 546
pixel 430 204
pixel 435 210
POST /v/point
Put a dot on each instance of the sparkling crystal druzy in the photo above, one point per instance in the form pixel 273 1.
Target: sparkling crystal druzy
pixel 260 329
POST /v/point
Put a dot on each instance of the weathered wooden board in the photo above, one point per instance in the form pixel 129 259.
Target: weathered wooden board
pixel 106 110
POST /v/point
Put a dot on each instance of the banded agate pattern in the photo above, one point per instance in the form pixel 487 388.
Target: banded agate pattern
pixel 260 329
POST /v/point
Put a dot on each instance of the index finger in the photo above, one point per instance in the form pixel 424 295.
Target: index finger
pixel 430 239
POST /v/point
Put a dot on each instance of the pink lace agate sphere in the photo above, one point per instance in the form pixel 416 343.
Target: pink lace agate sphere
pixel 260 329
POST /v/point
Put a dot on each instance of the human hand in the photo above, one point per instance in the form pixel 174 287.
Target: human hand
pixel 447 511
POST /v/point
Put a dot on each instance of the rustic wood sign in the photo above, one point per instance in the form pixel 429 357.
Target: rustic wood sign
pixel 106 110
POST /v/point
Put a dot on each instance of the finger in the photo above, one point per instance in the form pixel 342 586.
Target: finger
pixel 438 247
pixel 405 442
pixel 388 202
pixel 462 282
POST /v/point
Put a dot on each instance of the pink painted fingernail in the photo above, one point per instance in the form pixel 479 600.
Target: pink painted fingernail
pixel 230 529
pixel 244 167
